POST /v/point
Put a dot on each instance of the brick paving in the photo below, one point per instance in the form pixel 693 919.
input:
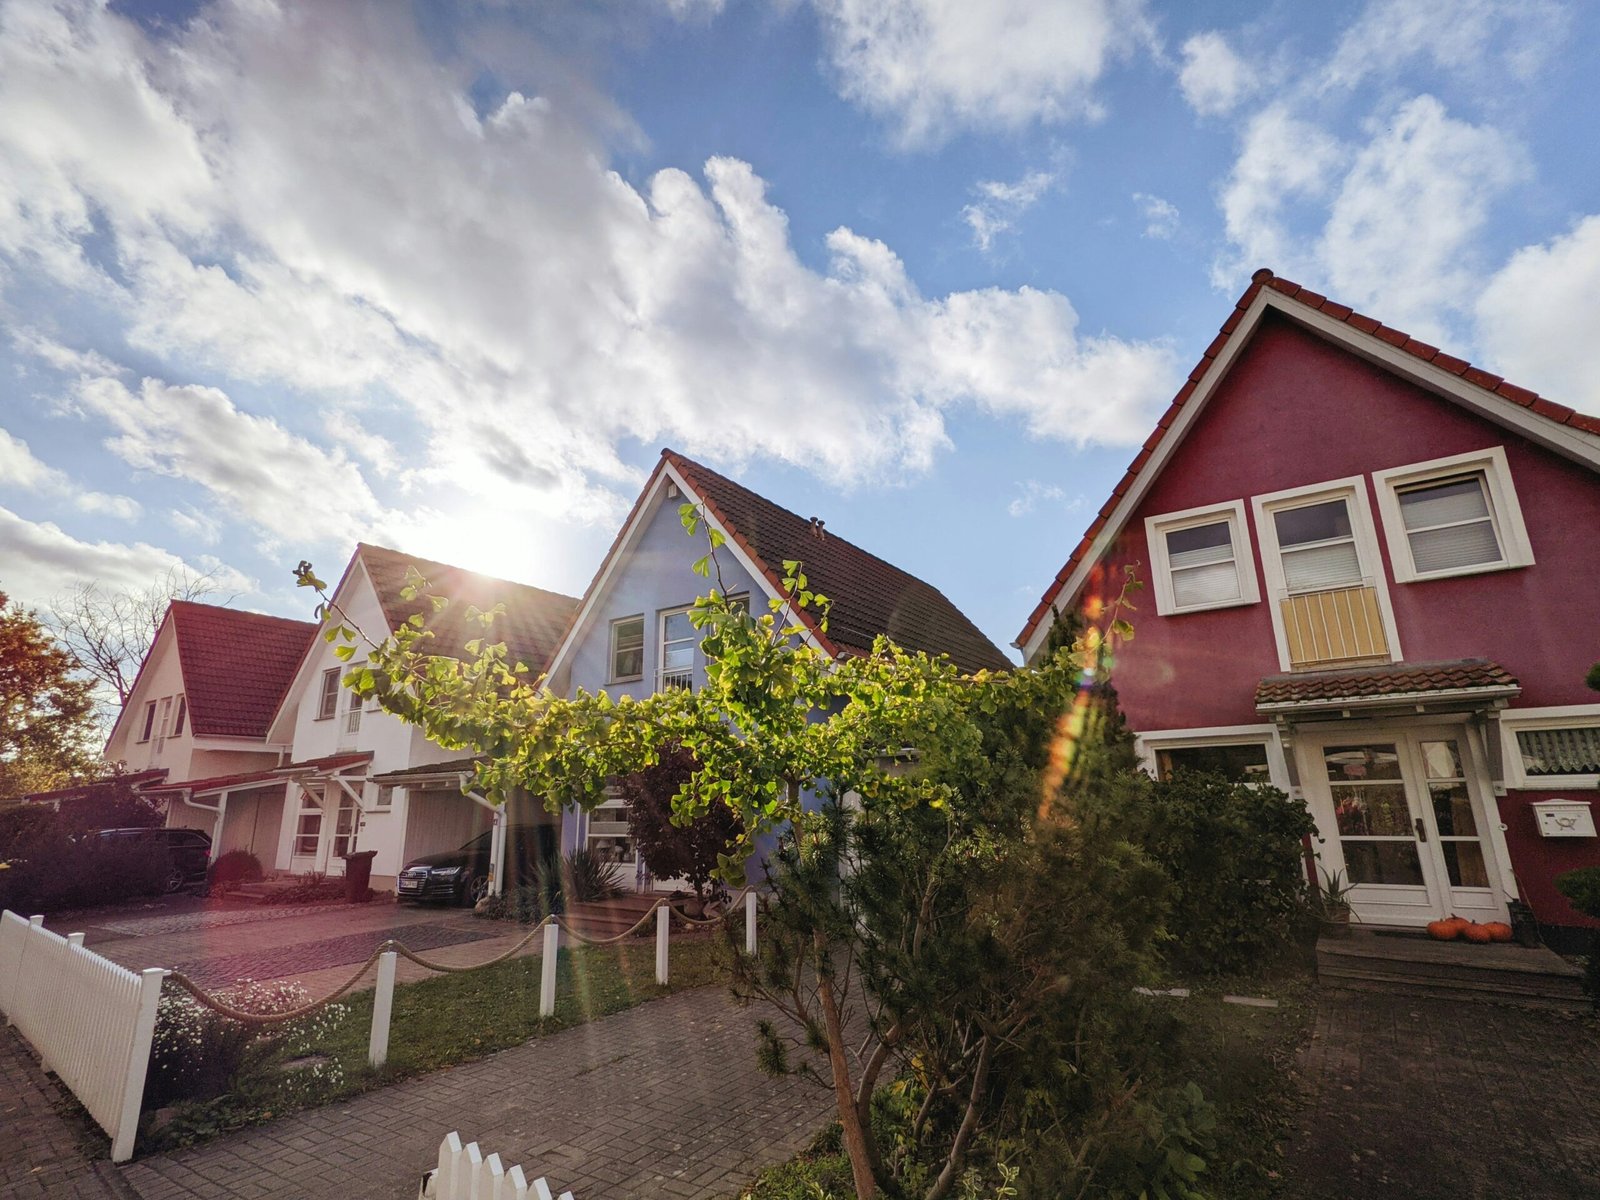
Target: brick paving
pixel 43 1156
pixel 662 1100
pixel 346 950
pixel 205 919
pixel 1444 1100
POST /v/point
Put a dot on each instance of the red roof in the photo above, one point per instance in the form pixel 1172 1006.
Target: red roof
pixel 1370 683
pixel 531 628
pixel 328 762
pixel 217 782
pixel 236 666
pixel 1560 414
pixel 870 596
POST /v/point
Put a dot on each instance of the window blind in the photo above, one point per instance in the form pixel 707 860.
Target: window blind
pixel 1202 565
pixel 1449 525
pixel 1571 751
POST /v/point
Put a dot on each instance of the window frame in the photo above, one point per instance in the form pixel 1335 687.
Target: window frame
pixel 1147 745
pixel 1156 529
pixel 180 720
pixel 327 711
pixel 1500 494
pixel 1353 490
pixel 1565 716
pixel 616 624
pixel 693 640
pixel 149 722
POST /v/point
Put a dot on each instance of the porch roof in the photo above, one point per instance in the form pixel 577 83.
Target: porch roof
pixel 1467 678
pixel 217 783
pixel 330 764
pixel 134 779
pixel 450 768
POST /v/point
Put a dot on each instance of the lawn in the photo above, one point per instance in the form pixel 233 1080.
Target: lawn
pixel 439 1022
pixel 1242 1057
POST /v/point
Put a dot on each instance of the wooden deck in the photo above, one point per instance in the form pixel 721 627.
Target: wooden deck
pixel 1375 960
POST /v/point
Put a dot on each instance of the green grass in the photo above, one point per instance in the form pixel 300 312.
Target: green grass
pixel 452 1019
pixel 1242 1058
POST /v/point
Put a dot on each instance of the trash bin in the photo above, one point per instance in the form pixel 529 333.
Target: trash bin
pixel 357 875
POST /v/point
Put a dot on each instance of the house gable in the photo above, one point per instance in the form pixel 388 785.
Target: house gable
pixel 1269 303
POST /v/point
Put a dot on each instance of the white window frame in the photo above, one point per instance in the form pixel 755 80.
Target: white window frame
pixel 612 676
pixel 323 693
pixel 1146 746
pixel 385 797
pixel 1500 494
pixel 1560 717
pixel 1155 531
pixel 661 643
pixel 180 719
pixel 1352 489
pixel 149 725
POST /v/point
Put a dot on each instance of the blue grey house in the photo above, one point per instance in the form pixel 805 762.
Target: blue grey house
pixel 632 634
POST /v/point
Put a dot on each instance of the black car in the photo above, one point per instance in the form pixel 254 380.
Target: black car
pixel 462 876
pixel 188 853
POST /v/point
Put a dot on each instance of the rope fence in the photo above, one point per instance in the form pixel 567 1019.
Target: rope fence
pixel 550 928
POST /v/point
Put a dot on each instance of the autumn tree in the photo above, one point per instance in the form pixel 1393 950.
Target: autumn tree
pixel 108 631
pixel 46 709
pixel 671 848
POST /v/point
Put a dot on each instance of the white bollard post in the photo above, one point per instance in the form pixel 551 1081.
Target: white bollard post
pixel 547 970
pixel 750 923
pixel 382 1009
pixel 663 922
pixel 144 1028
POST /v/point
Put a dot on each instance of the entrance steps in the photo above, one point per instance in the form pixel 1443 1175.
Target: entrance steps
pixel 608 918
pixel 1413 964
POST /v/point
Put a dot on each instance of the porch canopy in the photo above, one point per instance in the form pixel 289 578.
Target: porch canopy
pixel 1464 685
pixel 456 772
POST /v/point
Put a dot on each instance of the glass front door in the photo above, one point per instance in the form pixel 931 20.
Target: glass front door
pixel 1402 816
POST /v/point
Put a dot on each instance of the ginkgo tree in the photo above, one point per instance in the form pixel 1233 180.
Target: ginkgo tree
pixel 778 720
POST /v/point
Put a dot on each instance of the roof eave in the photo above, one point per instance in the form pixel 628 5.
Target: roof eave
pixel 1498 692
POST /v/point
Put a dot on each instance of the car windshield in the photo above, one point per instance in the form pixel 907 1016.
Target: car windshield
pixel 481 842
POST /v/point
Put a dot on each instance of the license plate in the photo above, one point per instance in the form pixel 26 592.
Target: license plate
pixel 407 885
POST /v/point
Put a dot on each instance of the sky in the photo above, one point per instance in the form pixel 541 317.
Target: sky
pixel 279 277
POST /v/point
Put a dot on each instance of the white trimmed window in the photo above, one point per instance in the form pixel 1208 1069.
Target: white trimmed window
pixel 1201 559
pixel 1452 516
pixel 149 721
pixel 1241 753
pixel 181 719
pixel 328 698
pixel 627 648
pixel 1551 747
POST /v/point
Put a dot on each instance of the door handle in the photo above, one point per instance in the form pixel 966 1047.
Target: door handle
pixel 1422 831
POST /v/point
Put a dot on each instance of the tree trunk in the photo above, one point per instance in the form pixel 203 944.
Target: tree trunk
pixel 855 1137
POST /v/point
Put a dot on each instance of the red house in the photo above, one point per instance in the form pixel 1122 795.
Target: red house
pixel 1373 580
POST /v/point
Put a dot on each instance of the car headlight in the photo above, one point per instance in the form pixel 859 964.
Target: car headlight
pixel 447 870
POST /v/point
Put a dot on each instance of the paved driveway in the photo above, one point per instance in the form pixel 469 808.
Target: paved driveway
pixel 663 1100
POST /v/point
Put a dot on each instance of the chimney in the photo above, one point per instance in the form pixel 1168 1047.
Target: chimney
pixel 816 528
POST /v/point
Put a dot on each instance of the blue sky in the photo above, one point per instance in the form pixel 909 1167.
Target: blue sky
pixel 274 278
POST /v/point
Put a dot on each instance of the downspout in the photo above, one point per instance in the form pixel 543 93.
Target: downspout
pixel 497 836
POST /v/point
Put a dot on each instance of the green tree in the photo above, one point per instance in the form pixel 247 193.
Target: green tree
pixel 46 711
pixel 777 718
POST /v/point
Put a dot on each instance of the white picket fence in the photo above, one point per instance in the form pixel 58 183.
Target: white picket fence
pixel 464 1173
pixel 89 1020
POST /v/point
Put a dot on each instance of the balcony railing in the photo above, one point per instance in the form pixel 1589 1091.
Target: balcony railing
pixel 666 680
pixel 1334 626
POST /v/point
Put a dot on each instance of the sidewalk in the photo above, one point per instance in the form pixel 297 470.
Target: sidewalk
pixel 663 1100
pixel 40 1154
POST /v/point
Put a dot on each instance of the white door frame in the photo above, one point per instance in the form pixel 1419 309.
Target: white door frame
pixel 1409 905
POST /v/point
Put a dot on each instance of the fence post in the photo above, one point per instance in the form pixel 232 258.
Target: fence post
pixel 74 939
pixel 750 923
pixel 382 1010
pixel 663 923
pixel 144 1027
pixel 547 970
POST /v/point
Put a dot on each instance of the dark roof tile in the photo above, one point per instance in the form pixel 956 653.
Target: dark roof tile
pixel 1398 679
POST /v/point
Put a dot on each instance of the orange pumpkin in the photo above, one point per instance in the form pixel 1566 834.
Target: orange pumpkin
pixel 1443 930
pixel 1499 931
pixel 1477 933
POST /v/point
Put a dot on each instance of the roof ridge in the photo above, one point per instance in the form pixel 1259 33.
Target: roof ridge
pixel 179 605
pixel 435 562
pixel 1263 277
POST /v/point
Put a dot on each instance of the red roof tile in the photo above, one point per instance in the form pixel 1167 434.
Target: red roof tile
pixel 265 775
pixel 1549 410
pixel 1415 679
pixel 870 596
pixel 236 665
pixel 531 628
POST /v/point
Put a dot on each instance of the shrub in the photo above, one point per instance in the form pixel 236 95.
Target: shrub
pixel 527 903
pixel 198 1054
pixel 51 872
pixel 1582 890
pixel 672 850
pixel 236 866
pixel 1235 855
pixel 586 878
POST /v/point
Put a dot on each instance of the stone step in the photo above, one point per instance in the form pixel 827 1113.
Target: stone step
pixel 1419 966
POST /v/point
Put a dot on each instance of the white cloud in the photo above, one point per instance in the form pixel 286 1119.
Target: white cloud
pixel 205 528
pixel 282 483
pixel 40 561
pixel 385 247
pixel 1031 494
pixel 1538 316
pixel 1213 78
pixel 20 468
pixel 1456 36
pixel 932 67
pixel 1160 216
pixel 999 205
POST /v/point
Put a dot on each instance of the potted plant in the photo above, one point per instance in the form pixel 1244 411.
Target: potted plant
pixel 1333 904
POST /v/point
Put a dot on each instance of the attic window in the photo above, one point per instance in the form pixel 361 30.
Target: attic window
pixel 328 700
pixel 1452 516
pixel 149 721
pixel 627 649
pixel 178 722
pixel 1201 559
